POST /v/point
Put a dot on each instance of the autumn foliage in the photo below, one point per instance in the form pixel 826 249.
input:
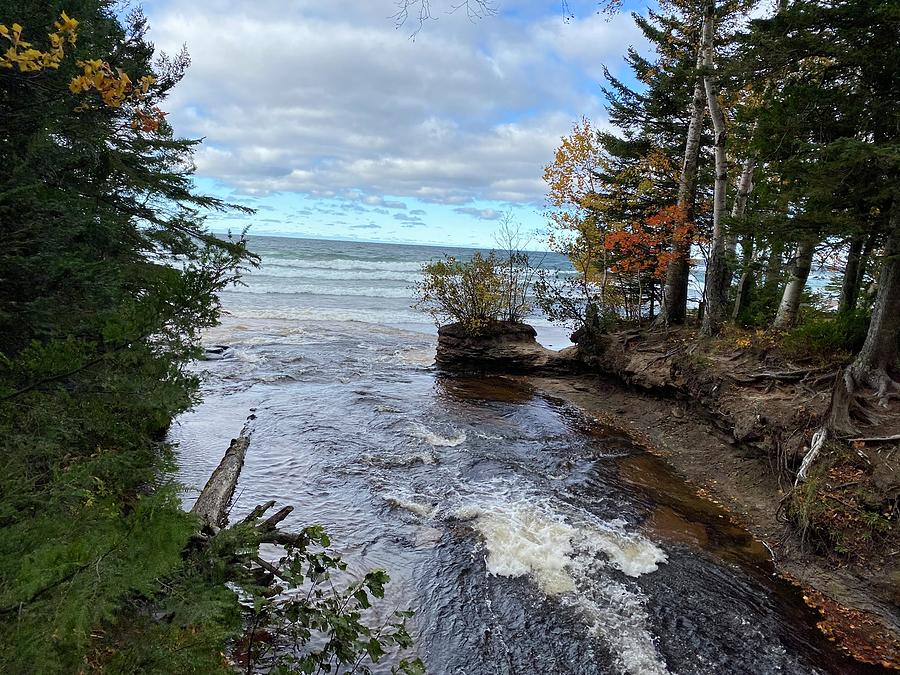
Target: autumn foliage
pixel 621 254
pixel 644 247
pixel 112 86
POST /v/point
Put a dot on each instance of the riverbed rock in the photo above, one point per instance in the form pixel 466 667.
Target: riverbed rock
pixel 507 347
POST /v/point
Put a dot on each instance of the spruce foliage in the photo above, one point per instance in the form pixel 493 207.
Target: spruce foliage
pixel 107 275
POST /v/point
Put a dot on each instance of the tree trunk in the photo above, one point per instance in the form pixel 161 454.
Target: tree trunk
pixel 743 288
pixel 849 286
pixel 866 256
pixel 773 267
pixel 793 291
pixel 717 267
pixel 880 351
pixel 212 504
pixel 744 188
pixel 673 303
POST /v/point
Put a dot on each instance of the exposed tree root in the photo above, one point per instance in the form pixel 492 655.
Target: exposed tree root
pixel 878 379
pixel 844 406
pixel 876 439
pixel 815 446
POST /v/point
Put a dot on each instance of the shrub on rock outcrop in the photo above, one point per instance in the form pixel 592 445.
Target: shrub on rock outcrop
pixel 476 293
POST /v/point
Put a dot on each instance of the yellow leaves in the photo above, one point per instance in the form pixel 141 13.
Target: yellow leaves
pixel 16 37
pixel 114 87
pixel 572 177
pixel 66 26
pixel 147 81
pixel 26 58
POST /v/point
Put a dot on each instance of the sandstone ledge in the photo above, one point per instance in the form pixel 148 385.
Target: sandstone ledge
pixel 507 347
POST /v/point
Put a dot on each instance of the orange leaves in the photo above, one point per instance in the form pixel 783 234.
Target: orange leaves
pixel 644 246
pixel 147 121
pixel 22 55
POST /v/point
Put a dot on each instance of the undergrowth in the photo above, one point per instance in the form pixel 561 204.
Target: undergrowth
pixel 839 511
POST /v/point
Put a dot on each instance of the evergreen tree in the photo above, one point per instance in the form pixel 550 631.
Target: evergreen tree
pixel 831 129
pixel 107 276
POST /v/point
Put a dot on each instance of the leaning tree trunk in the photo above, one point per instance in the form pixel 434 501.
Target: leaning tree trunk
pixel 717 267
pixel 880 351
pixel 849 285
pixel 744 188
pixel 673 304
pixel 793 291
pixel 864 259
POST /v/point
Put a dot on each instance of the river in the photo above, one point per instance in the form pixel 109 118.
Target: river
pixel 527 537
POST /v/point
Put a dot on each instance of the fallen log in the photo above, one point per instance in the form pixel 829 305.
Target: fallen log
pixel 215 499
pixel 212 504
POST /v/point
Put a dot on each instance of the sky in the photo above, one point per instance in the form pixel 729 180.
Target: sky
pixel 333 122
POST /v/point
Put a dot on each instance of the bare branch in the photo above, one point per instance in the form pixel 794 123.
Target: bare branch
pixel 421 11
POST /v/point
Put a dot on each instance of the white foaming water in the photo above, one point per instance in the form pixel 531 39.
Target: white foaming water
pixel 523 540
pixel 437 440
pixel 618 617
pixel 292 288
pixel 524 536
pixel 347 264
pixel 372 316
pixel 304 272
pixel 628 552
pixel 410 504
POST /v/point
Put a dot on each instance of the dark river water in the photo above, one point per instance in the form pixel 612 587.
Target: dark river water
pixel 527 537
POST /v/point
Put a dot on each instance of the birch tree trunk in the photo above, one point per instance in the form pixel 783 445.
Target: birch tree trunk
pixel 673 303
pixel 793 291
pixel 880 351
pixel 744 188
pixel 717 267
pixel 849 285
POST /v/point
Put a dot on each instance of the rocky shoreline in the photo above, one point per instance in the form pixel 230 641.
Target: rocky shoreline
pixel 730 425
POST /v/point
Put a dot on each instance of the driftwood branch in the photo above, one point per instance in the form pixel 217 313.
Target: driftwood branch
pixel 212 504
pixel 257 512
pixel 215 498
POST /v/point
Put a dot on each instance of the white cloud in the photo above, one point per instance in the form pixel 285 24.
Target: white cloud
pixel 330 100
pixel 480 214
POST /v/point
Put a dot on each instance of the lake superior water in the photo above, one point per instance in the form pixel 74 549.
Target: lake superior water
pixel 341 281
pixel 527 537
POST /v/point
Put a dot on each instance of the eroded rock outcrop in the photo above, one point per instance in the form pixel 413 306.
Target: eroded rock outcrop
pixel 507 347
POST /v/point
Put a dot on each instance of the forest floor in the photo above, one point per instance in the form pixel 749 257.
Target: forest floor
pixel 735 420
